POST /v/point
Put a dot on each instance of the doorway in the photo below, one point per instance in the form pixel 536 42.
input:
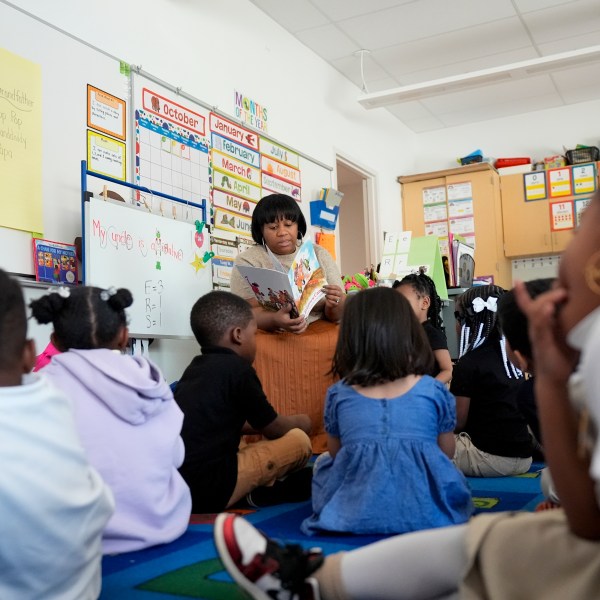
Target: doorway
pixel 357 220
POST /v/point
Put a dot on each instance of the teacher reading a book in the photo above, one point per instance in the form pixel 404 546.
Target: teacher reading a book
pixel 279 225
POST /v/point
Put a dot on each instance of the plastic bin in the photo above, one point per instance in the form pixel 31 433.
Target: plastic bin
pixel 582 155
pixel 512 162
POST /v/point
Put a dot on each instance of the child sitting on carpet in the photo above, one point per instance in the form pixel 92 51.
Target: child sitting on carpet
pixel 53 505
pixel 390 428
pixel 518 349
pixel 419 290
pixel 492 436
pixel 219 393
pixel 551 555
pixel 124 410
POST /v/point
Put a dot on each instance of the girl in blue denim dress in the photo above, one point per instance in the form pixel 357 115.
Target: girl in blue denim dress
pixel 390 428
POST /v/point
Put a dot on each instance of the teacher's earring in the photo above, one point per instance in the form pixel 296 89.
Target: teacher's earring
pixel 592 272
pixel 300 240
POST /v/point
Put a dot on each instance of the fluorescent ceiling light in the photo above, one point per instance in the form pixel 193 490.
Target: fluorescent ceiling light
pixel 476 79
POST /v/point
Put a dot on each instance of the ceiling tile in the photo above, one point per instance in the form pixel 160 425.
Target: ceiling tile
pixel 524 6
pixel 490 94
pixel 469 66
pixel 350 67
pixel 425 124
pixel 337 10
pixel 574 77
pixel 484 46
pixel 409 111
pixel 502 109
pixel 572 43
pixel 293 16
pixel 422 19
pixel 327 41
pixel 564 21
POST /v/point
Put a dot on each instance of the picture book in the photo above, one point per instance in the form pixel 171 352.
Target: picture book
pixel 55 262
pixel 301 285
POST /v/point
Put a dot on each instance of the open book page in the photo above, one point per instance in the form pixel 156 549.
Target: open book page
pixel 301 285
pixel 307 278
pixel 272 288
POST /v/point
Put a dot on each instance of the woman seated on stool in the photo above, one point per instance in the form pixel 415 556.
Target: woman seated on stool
pixel 278 223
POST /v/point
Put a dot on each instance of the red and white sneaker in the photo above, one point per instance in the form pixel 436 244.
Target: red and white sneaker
pixel 262 567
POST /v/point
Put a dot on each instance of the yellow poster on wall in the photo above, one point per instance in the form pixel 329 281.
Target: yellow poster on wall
pixel 20 143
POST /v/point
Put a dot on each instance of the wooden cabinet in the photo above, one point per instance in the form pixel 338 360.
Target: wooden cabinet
pixel 487 213
pixel 527 225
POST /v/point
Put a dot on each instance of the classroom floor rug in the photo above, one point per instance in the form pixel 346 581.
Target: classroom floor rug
pixel 189 567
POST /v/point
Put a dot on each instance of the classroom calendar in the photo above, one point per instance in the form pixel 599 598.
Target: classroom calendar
pixel 171 153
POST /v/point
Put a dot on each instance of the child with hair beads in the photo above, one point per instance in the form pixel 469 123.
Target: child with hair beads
pixel 390 428
pixel 222 399
pixel 419 290
pixel 53 505
pixel 493 439
pixel 124 410
pixel 535 556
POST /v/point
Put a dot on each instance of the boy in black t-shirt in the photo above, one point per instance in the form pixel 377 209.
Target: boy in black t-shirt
pixel 222 399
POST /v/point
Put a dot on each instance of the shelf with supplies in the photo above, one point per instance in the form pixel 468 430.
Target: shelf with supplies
pixel 541 209
pixel 463 201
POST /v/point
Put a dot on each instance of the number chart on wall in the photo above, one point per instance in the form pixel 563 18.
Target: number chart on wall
pixel 165 263
pixel 171 146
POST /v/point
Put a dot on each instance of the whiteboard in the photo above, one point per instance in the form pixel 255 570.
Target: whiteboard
pixel 159 259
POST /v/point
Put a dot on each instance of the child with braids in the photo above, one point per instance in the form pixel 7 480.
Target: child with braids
pixel 493 439
pixel 53 505
pixel 127 419
pixel 419 289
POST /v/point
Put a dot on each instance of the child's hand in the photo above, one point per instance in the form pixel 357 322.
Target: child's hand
pixel 554 360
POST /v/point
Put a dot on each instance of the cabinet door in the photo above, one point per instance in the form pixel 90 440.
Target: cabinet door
pixel 526 224
pixel 487 212
pixel 412 204
pixel 560 240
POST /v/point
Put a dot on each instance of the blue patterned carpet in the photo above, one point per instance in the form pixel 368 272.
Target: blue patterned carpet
pixel 188 567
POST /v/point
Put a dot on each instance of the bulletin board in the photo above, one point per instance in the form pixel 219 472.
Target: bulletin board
pixel 68 68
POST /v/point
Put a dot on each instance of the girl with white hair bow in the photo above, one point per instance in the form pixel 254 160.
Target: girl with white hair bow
pixel 492 438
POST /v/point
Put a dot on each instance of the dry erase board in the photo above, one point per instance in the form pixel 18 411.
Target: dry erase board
pixel 160 260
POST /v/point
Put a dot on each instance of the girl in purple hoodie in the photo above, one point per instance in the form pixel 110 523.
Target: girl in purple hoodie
pixel 127 419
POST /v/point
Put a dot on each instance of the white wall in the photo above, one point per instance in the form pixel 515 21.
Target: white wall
pixel 210 49
pixel 538 134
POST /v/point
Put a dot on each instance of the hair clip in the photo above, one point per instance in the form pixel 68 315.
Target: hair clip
pixel 106 294
pixel 479 304
pixel 63 291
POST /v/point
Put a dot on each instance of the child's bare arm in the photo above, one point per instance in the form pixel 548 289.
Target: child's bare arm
pixel 554 364
pixel 282 424
pixel 462 412
pixel 334 445
pixel 447 443
pixel 442 357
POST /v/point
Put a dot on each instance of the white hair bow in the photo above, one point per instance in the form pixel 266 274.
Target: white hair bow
pixel 479 304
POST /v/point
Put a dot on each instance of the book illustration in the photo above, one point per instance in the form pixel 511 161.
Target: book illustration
pixel 301 286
